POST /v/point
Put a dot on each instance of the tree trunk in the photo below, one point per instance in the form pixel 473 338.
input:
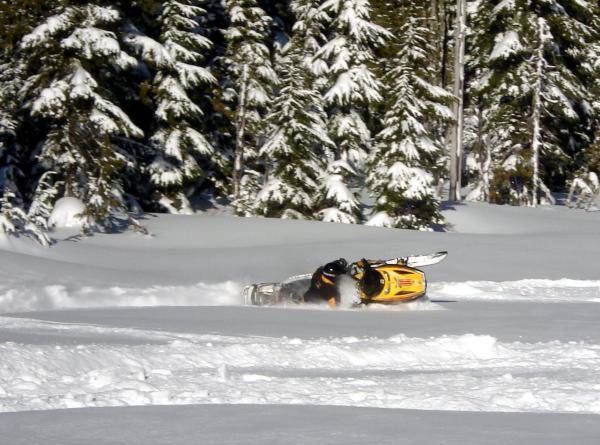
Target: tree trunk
pixel 457 129
pixel 240 122
pixel 537 112
pixel 445 43
pixel 484 152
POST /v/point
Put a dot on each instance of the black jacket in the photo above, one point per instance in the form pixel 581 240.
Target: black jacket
pixel 322 289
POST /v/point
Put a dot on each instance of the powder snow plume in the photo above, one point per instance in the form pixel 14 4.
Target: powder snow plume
pixel 20 298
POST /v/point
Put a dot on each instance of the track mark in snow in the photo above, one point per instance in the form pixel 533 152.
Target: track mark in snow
pixel 547 291
pixel 466 372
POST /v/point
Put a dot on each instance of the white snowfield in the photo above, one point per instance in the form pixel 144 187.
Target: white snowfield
pixel 465 372
pixel 511 325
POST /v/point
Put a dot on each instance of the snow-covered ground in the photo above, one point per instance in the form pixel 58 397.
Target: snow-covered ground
pixel 512 326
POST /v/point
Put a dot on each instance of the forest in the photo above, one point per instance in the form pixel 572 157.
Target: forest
pixel 333 110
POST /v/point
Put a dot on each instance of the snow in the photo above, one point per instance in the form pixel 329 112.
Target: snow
pixel 67 212
pixel 51 99
pixel 191 75
pixel 181 368
pixel 294 425
pixel 92 42
pixel 83 84
pixel 381 219
pixel 15 298
pixel 511 326
pixel 149 49
pixel 45 31
pixel 506 45
pixel 547 291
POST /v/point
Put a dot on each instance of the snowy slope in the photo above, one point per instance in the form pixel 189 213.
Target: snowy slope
pixel 195 260
pixel 512 326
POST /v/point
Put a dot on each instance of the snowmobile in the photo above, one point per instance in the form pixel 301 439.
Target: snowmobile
pixel 397 280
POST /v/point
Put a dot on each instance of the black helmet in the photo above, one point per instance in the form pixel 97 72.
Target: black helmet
pixel 335 268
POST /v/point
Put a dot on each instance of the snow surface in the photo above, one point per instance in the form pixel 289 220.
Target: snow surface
pixel 466 372
pixel 485 344
pixel 293 424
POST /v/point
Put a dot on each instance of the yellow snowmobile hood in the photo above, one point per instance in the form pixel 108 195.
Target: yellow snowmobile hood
pixel 400 284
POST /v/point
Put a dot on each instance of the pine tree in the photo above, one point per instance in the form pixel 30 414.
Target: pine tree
pixel 250 78
pixel 298 140
pixel 533 92
pixel 353 87
pixel 180 150
pixel 71 58
pixel 406 154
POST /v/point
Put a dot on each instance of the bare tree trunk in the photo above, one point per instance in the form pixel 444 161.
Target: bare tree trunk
pixel 537 111
pixel 457 129
pixel 485 154
pixel 240 122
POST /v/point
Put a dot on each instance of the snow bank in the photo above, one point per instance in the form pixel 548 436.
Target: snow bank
pixel 466 372
pixel 67 213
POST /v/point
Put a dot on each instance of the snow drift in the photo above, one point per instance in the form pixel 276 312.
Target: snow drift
pixel 466 372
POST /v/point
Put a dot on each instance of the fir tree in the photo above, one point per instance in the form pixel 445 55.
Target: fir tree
pixel 180 149
pixel 337 203
pixel 406 154
pixel 13 215
pixel 298 139
pixel 250 78
pixel 11 207
pixel 352 88
pixel 71 56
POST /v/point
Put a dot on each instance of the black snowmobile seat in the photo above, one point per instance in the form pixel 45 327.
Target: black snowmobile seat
pixel 372 282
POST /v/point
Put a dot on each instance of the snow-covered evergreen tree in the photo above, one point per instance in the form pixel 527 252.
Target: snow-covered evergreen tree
pixel 297 143
pixel 250 78
pixel 71 56
pixel 10 195
pixel 336 202
pixel 532 76
pixel 584 189
pixel 181 150
pixel 13 215
pixel 402 165
pixel 353 87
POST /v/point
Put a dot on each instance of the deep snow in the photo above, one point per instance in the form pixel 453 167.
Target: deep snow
pixel 377 366
pixel 512 326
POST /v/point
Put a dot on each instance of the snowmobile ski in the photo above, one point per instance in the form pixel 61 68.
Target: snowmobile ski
pixel 414 260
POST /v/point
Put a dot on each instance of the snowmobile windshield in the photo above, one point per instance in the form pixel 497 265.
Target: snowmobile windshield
pixel 371 282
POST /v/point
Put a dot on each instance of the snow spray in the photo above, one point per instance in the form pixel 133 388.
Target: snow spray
pixel 348 291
